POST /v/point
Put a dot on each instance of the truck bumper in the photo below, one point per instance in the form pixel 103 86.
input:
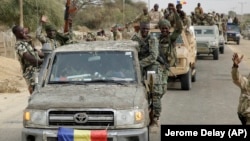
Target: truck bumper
pixel 30 134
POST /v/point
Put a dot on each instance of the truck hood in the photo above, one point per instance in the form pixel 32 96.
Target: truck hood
pixel 90 96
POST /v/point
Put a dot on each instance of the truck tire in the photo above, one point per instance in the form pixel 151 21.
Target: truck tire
pixel 186 82
pixel 216 54
pixel 238 42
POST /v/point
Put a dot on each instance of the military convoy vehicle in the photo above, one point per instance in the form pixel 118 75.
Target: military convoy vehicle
pixel 207 38
pixel 185 69
pixel 90 86
pixel 233 33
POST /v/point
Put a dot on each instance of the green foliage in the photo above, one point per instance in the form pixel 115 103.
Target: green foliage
pixel 95 17
pixel 91 16
pixel 32 11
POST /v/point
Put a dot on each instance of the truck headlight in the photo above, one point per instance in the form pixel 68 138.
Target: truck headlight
pixel 34 117
pixel 238 34
pixel 129 117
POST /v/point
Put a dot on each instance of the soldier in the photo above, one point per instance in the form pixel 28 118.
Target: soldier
pixel 193 19
pixel 144 17
pixel 155 16
pixel 209 19
pixel 148 53
pixel 53 37
pixel 198 11
pixel 243 83
pixel 167 48
pixel 169 15
pixel 29 57
pixel 91 36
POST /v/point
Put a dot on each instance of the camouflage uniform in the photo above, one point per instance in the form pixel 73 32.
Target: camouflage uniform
pixel 209 20
pixel 22 47
pixel 244 100
pixel 59 40
pixel 44 39
pixel 91 36
pixel 147 56
pixel 156 16
pixel 167 46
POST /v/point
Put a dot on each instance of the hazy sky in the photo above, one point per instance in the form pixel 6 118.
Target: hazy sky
pixel 220 6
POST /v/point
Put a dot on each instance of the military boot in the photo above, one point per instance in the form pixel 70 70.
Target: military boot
pixel 154 127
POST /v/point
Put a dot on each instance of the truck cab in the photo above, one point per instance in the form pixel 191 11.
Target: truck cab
pixel 89 86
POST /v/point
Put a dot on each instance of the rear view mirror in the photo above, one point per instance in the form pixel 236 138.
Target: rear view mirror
pixel 94 58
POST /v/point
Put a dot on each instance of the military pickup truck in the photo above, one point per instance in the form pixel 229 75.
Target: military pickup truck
pixel 233 33
pixel 185 69
pixel 90 86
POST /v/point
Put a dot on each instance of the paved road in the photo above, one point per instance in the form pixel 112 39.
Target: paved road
pixel 213 98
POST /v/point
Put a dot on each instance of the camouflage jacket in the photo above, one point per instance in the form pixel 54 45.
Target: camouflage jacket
pixel 22 47
pixel 44 39
pixel 244 84
pixel 60 39
pixel 167 44
pixel 147 50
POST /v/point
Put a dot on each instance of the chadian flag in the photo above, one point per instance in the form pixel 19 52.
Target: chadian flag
pixel 69 134
pixel 182 2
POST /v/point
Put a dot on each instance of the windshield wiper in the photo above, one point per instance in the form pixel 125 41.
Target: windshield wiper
pixel 68 82
pixel 105 81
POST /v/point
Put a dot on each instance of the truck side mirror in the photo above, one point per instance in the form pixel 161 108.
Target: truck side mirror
pixel 46 49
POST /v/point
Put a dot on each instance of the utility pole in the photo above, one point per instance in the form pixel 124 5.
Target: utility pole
pixel 241 8
pixel 123 10
pixel 148 5
pixel 21 13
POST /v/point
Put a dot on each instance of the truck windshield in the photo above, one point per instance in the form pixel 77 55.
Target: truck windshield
pixel 91 66
pixel 234 28
pixel 204 32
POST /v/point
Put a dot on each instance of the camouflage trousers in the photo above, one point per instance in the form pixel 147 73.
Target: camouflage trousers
pixel 164 81
pixel 29 75
pixel 157 89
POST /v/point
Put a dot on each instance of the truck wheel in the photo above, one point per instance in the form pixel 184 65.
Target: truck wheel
pixel 238 42
pixel 186 82
pixel 216 54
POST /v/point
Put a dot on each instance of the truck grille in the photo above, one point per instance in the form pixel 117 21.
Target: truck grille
pixel 81 118
pixel 202 44
pixel 231 34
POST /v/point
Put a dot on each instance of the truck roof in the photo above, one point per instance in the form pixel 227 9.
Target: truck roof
pixel 122 45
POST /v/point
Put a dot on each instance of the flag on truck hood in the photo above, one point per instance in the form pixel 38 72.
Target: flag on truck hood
pixel 69 134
